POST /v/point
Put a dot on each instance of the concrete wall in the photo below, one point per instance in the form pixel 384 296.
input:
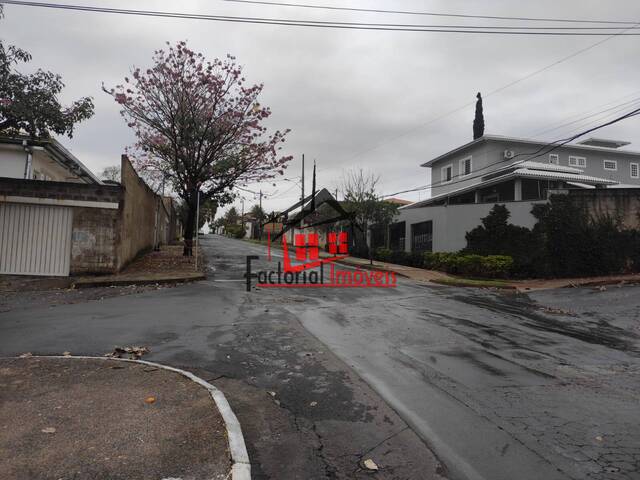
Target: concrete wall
pixel 139 212
pixel 111 225
pixel 452 222
pixel 621 203
pixel 62 191
pixel 174 229
pixel 94 241
pixel 96 217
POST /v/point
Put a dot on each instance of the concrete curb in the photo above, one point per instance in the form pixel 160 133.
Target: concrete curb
pixel 93 283
pixel 241 466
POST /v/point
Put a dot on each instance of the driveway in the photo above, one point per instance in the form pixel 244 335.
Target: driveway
pixel 499 386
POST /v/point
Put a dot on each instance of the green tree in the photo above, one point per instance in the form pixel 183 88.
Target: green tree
pixel 478 121
pixel 232 217
pixel 362 200
pixel 496 236
pixel 29 102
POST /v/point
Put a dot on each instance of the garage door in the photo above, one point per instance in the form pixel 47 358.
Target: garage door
pixel 35 239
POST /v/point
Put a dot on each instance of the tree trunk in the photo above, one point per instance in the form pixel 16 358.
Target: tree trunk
pixel 189 229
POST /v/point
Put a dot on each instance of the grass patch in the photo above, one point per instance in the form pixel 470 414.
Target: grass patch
pixel 471 282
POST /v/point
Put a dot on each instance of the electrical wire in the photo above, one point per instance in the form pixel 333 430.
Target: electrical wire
pixel 431 14
pixel 309 23
pixel 597 117
pixel 588 114
pixel 492 92
pixel 544 150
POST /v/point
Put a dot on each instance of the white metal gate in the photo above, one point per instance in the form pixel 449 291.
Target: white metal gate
pixel 35 239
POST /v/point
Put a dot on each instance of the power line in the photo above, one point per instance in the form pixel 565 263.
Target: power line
pixel 544 150
pixel 493 92
pixel 588 113
pixel 312 23
pixel 596 117
pixel 431 14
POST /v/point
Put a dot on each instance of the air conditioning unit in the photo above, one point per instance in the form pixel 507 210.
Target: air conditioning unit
pixel 509 154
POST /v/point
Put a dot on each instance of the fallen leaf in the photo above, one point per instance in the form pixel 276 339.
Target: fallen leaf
pixel 370 464
pixel 48 430
pixel 150 400
pixel 134 352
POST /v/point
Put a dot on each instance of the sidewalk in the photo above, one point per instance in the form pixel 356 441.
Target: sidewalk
pixel 167 265
pixel 423 275
pixel 64 418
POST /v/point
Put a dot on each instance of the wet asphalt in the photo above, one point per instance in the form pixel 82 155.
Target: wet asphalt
pixel 499 385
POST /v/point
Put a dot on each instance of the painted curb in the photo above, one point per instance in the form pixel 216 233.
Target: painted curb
pixel 127 282
pixel 241 466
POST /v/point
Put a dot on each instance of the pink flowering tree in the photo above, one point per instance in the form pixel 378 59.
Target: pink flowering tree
pixel 200 126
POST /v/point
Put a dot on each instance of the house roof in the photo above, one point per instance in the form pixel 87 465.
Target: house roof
pixel 535 173
pixel 604 142
pixel 398 201
pixel 60 154
pixel 501 138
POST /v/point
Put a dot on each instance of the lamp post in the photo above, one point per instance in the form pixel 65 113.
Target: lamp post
pixel 197 224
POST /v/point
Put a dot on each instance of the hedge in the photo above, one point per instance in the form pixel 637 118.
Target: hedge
pixel 488 266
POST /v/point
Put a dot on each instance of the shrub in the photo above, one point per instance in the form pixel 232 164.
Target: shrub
pixel 399 257
pixel 497 266
pixel 490 266
pixel 235 231
pixel 382 254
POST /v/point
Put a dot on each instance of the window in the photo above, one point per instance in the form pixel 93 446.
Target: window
pixel 577 162
pixel 634 170
pixel 447 173
pixel 422 236
pixel 553 158
pixel 465 166
pixel 610 165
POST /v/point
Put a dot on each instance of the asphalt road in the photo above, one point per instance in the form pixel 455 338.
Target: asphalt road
pixel 498 385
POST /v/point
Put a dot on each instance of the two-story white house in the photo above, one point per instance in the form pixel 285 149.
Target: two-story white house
pixel 467 181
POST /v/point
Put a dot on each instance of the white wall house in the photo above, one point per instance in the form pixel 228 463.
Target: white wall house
pixel 21 157
pixel 37 212
pixel 467 181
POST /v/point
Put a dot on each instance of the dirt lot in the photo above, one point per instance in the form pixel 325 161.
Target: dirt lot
pixel 106 419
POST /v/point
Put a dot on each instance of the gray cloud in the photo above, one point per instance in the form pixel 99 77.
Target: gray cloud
pixel 344 92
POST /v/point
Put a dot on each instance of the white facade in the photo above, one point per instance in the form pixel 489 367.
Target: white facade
pixel 44 160
pixel 450 223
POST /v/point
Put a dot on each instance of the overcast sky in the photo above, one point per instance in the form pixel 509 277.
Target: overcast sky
pixel 351 98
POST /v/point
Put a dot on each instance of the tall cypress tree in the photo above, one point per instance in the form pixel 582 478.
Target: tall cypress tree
pixel 478 122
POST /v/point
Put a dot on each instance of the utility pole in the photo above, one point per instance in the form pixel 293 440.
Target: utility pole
pixel 302 185
pixel 260 220
pixel 197 225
